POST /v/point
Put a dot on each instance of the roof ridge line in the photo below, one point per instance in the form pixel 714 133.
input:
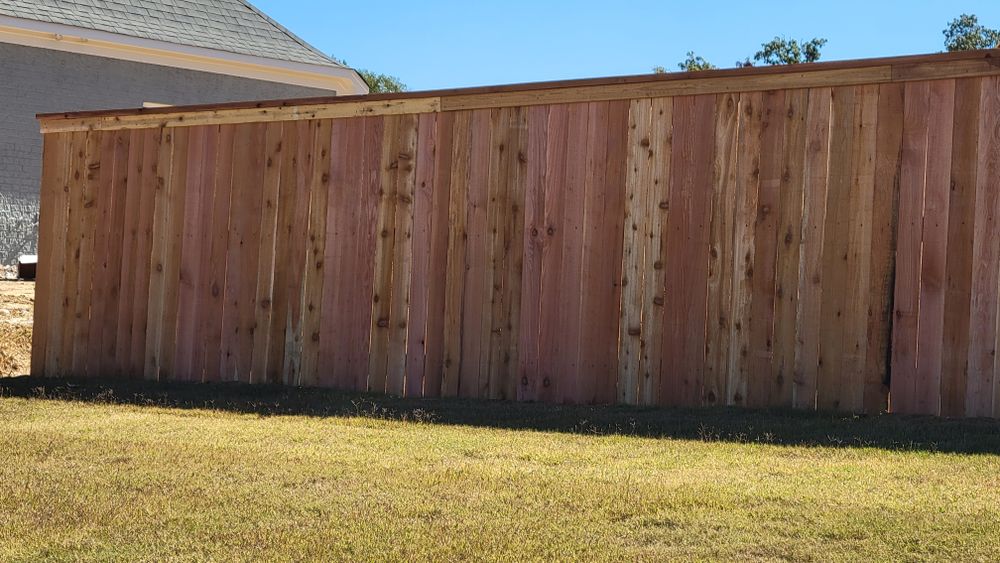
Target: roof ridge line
pixel 288 32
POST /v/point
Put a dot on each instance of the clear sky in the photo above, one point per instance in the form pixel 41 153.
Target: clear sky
pixel 442 44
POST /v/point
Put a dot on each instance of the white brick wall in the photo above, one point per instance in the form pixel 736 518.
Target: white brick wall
pixel 36 80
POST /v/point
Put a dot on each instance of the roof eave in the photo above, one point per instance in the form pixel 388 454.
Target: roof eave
pixel 59 37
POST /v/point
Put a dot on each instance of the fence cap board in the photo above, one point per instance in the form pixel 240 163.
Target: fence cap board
pixel 836 73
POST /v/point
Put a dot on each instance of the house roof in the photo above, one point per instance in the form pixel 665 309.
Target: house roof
pixel 233 26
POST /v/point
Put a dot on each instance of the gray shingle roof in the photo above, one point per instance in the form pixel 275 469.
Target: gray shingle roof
pixel 234 26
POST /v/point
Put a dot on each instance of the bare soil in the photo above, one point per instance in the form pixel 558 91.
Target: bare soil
pixel 16 313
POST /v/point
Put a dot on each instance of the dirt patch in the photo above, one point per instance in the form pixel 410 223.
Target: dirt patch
pixel 16 311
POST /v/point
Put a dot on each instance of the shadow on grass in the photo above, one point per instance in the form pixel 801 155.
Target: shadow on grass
pixel 783 427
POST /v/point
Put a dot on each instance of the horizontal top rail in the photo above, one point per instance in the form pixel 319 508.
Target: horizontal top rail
pixel 809 75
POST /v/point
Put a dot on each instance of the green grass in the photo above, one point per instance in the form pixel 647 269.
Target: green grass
pixel 133 471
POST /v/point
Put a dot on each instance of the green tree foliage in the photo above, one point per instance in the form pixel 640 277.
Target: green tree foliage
pixel 964 33
pixel 378 83
pixel 781 51
pixel 694 62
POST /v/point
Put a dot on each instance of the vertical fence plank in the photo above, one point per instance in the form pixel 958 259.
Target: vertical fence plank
pixel 402 253
pixel 302 169
pixel 336 245
pixel 151 176
pixel 720 268
pixel 361 261
pixel 888 149
pixel 385 232
pixel 77 189
pixel 160 242
pixel 212 302
pixel 686 261
pixel 634 242
pixel 457 242
pixel 983 380
pixel 751 130
pixel 906 301
pixel 762 280
pixel 568 301
pixel 529 358
pixel 315 274
pixel 130 225
pixel 293 201
pixel 609 258
pixel 100 281
pixel 475 321
pixel 810 288
pixel 267 262
pixel 601 290
pixel 242 252
pixel 55 157
pixel 550 330
pixel 196 246
pixel 654 275
pixel 421 274
pixel 857 302
pixel 844 126
pixel 341 238
pixel 930 324
pixel 177 190
pixel 438 255
pixel 983 377
pixel 958 267
pixel 91 205
pixel 510 144
pixel 780 388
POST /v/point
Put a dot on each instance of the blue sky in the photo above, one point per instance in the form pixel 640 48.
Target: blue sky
pixel 443 44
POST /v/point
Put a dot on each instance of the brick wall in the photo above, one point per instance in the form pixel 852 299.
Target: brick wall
pixel 36 80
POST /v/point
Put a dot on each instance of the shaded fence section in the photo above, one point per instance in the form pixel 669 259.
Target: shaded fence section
pixel 825 237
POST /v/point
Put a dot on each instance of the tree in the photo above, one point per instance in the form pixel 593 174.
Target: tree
pixel 781 51
pixel 964 33
pixel 378 83
pixel 694 62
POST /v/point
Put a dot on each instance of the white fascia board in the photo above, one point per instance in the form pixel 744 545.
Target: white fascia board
pixel 59 37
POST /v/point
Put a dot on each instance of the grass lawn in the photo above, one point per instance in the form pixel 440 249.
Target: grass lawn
pixel 134 471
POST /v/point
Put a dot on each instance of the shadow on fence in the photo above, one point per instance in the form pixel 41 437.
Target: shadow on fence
pixel 779 427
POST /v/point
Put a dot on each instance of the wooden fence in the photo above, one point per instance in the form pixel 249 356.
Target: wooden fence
pixel 822 236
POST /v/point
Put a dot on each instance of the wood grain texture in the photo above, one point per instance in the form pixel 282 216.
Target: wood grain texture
pixel 832 246
pixel 751 133
pixel 810 288
pixel 930 324
pixel 906 296
pixel 635 242
pixel 765 261
pixel 438 256
pixel 529 358
pixel 982 379
pixel 958 256
pixel 720 253
pixel 888 150
pixel 315 272
pixel 780 388
pixel 52 209
pixel 688 238
pixel 836 246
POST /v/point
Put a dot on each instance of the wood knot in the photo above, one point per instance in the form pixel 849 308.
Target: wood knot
pixel 382 323
pixel 546 382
